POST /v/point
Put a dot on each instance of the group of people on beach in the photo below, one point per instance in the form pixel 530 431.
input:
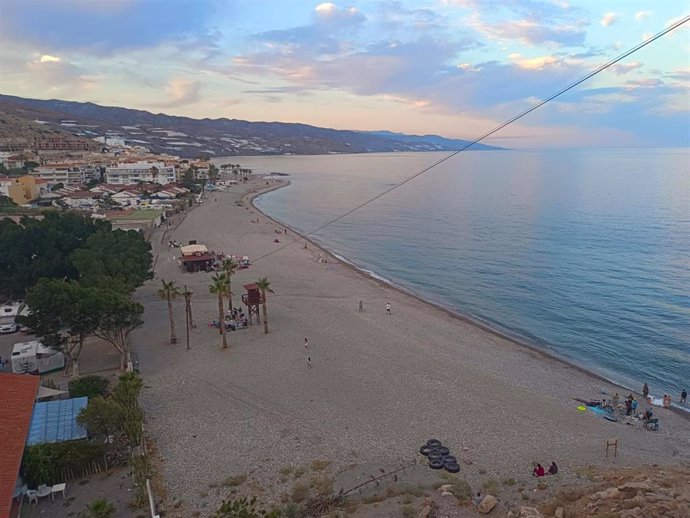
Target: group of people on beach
pixel 540 472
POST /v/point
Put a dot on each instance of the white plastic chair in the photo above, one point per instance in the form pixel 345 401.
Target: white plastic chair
pixel 32 496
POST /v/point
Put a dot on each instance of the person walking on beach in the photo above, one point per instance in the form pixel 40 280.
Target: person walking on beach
pixel 388 308
pixel 361 306
pixel 645 391
pixel 306 344
pixel 684 396
pixel 309 361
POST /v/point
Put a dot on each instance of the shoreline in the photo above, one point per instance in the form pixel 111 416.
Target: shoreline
pixel 380 280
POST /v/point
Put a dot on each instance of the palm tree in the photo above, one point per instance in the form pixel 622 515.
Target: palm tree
pixel 169 292
pixel 230 267
pixel 264 285
pixel 219 286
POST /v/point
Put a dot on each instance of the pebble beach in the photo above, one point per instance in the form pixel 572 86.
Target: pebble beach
pixel 379 385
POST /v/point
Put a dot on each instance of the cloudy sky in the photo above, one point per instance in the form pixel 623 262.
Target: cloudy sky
pixel 450 67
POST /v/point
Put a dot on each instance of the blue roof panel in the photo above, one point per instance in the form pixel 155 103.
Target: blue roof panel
pixel 56 421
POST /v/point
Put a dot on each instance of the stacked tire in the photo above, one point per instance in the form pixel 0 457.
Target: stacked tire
pixel 439 456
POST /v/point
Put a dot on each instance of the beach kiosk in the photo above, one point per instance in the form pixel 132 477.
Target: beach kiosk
pixel 252 299
pixel 35 358
pixel 196 258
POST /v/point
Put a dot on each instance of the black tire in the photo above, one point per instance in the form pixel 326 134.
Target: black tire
pixel 451 467
pixel 433 443
pixel 425 450
pixel 436 464
pixel 449 458
pixel 443 450
pixel 435 455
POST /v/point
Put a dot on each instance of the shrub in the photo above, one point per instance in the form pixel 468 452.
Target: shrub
pixel 90 386
pixel 99 508
pixel 491 486
pixel 44 463
pixel 101 415
pixel 243 508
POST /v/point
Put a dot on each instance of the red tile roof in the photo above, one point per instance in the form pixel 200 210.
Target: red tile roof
pixel 18 396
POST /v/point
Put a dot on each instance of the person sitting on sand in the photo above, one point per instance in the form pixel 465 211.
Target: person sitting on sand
pixel 538 471
pixel 477 499
pixel 553 469
pixel 647 414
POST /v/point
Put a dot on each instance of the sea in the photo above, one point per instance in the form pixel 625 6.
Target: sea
pixel 582 253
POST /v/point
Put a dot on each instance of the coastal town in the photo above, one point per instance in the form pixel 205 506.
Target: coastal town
pixel 230 408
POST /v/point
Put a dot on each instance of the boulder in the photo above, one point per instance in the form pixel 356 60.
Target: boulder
pixel 446 488
pixel 447 493
pixel 528 512
pixel 607 494
pixel 559 513
pixel 487 503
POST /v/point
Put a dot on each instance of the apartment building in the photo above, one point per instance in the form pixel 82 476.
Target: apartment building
pixel 127 173
pixel 64 173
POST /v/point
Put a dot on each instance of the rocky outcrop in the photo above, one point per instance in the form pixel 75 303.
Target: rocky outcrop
pixel 629 493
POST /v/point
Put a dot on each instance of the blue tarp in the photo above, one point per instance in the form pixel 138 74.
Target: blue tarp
pixel 56 421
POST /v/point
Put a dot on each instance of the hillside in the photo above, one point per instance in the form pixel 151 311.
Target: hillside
pixel 17 133
pixel 189 137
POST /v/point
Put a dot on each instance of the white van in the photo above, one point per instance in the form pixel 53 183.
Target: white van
pixel 8 317
pixel 35 358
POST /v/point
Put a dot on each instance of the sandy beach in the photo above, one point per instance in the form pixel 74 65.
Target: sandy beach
pixel 378 386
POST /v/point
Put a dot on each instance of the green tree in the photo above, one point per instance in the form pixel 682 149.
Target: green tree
pixel 7 203
pixel 57 187
pixel 169 292
pixel 120 315
pixel 99 508
pixel 58 305
pixel 122 255
pixel 230 267
pixel 265 286
pixel 126 394
pixel 219 286
pixel 101 415
pixel 33 248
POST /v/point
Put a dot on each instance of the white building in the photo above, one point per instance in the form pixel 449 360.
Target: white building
pixel 128 173
pixel 64 174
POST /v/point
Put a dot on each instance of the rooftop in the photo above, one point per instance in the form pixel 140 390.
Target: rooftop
pixel 18 396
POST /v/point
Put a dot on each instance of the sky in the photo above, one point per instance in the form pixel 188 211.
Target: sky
pixel 456 68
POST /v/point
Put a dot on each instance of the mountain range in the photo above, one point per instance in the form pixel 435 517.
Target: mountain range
pixel 191 138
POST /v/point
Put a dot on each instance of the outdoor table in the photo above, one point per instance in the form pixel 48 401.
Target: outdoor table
pixel 44 491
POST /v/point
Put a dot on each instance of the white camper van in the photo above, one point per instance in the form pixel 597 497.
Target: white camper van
pixel 35 358
pixel 8 317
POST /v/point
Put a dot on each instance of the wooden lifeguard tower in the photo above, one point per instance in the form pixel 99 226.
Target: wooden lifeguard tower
pixel 252 299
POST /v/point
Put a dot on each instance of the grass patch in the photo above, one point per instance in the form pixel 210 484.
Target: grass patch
pixel 320 465
pixel 286 471
pixel 298 472
pixel 408 511
pixel 461 489
pixel 491 486
pixel 323 485
pixel 509 482
pixel 300 492
pixel 375 498
pixel 407 499
pixel 231 481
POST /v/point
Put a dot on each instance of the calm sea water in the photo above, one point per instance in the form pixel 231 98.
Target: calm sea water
pixel 583 253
